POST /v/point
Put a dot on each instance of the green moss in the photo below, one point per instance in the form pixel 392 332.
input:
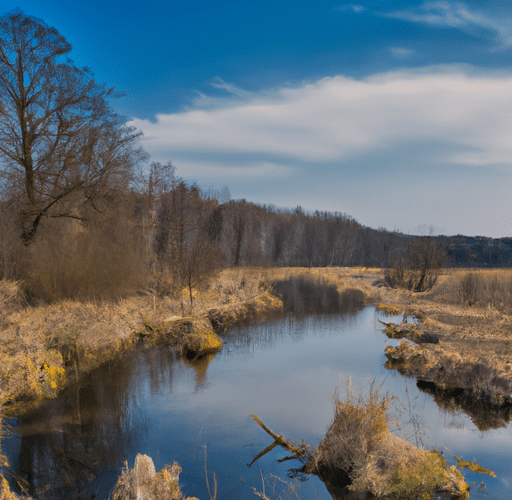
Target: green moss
pixel 462 464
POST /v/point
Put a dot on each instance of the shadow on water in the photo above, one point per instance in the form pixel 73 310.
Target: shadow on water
pixel 302 296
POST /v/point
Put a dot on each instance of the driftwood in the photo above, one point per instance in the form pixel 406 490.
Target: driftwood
pixel 300 453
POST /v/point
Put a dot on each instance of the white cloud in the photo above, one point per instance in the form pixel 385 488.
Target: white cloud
pixel 338 118
pixel 439 137
pixel 457 15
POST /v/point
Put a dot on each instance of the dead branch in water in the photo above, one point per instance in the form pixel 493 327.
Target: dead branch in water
pixel 300 453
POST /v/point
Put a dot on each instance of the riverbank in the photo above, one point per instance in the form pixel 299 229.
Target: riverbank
pixel 44 347
pixel 459 343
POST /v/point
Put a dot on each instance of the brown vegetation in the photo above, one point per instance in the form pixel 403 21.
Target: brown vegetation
pixel 469 315
pixel 144 482
pixel 417 266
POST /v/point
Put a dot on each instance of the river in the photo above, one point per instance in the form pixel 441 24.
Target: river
pixel 285 371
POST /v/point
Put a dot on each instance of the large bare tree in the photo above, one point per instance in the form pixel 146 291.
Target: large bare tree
pixel 61 144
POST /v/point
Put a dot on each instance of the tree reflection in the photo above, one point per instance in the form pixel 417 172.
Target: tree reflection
pixel 68 445
pixel 200 364
pixel 302 295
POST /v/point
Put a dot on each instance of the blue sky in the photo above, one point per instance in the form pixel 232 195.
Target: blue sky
pixel 398 113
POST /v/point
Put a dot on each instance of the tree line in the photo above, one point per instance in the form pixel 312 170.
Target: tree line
pixel 83 214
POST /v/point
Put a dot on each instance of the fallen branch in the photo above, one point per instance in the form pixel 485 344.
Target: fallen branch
pixel 279 440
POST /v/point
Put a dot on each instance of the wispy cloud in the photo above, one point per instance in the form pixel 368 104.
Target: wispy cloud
pixel 351 8
pixel 400 52
pixel 211 168
pixel 458 15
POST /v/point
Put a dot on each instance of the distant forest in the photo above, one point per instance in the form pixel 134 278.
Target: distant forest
pixel 164 234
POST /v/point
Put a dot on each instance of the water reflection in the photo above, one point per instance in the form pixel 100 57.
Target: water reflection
pixel 200 365
pixel 305 295
pixel 65 445
pixel 483 411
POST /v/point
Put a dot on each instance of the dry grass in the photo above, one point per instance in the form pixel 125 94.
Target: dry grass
pixel 359 450
pixel 144 482
pixel 360 422
pixel 481 288
pixel 470 313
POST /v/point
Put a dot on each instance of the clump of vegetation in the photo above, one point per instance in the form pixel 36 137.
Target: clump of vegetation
pixel 262 305
pixel 417 267
pixel 144 482
pixel 390 309
pixel 462 464
pixel 360 443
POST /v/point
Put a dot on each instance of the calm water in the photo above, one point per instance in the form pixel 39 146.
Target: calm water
pixel 285 371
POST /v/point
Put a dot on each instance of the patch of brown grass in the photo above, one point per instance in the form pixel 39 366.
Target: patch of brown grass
pixel 360 446
pixel 483 288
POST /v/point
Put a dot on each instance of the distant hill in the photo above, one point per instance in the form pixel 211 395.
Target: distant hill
pixel 479 251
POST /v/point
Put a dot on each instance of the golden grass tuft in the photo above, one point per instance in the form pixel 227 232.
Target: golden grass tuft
pixel 461 463
pixel 390 309
pixel 144 482
pixel 360 448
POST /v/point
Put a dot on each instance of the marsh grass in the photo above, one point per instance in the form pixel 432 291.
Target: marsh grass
pixel 360 421
pixel 143 482
pixel 484 288
pixel 360 451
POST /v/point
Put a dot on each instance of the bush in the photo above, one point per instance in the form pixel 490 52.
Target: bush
pixel 144 482
pixel 469 288
pixel 417 268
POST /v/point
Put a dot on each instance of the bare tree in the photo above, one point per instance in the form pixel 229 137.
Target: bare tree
pixel 60 142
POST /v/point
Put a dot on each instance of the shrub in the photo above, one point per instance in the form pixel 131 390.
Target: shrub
pixel 417 268
pixel 144 482
pixel 469 288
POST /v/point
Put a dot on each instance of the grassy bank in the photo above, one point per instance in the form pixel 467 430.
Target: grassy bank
pixel 464 339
